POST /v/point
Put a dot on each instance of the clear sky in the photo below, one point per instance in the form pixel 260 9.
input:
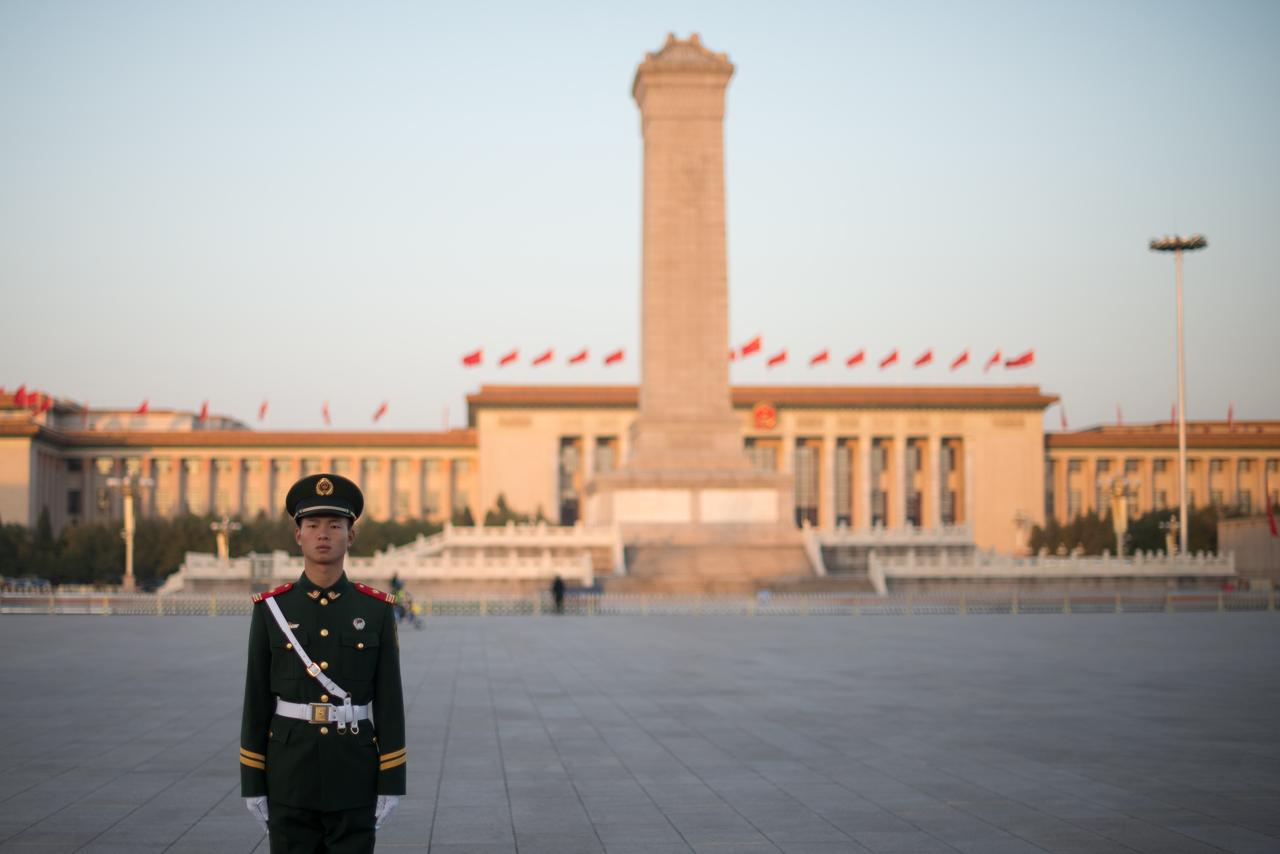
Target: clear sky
pixel 336 200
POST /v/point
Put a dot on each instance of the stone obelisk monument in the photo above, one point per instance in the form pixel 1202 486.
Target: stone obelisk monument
pixel 687 482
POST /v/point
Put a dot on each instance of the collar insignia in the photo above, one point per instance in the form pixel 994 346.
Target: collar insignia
pixel 314 594
pixel 333 595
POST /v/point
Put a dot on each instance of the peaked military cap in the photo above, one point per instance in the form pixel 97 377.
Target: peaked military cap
pixel 324 494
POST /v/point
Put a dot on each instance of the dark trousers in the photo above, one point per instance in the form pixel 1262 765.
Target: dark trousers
pixel 294 830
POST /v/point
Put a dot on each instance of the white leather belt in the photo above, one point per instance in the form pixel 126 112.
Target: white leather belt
pixel 321 713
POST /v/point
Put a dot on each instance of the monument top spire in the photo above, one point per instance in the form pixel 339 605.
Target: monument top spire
pixel 682 56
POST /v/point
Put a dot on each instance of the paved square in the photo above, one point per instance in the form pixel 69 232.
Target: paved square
pixel 984 734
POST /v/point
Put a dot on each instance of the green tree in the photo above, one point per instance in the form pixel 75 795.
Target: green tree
pixel 501 514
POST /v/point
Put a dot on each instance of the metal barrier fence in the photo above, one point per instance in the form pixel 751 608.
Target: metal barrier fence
pixel 605 604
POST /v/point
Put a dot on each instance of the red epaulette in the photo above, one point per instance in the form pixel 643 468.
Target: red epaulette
pixel 267 594
pixel 376 594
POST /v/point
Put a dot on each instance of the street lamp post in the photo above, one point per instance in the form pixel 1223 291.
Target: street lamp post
pixel 1177 245
pixel 223 529
pixel 128 486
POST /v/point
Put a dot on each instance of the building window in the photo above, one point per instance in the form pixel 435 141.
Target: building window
pixel 844 483
pixel 1073 503
pixel 1103 466
pixel 570 483
pixel 1244 466
pixel 1159 466
pixel 606 454
pixel 1215 497
pixel 1074 466
pixel 913 508
pixel 913 456
pixel 402 503
pixel 75 465
pixel 1131 466
pixel 1215 466
pixel 74 501
pixel 948 507
pixel 1192 465
pixel 342 466
pixel 763 455
pixel 1244 500
pixel 1273 466
pixel 1162 499
pixel 879 507
pixel 806 469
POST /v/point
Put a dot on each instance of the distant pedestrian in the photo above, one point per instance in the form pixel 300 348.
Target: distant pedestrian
pixel 557 593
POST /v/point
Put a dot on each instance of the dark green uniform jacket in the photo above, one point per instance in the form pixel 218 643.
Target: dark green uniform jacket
pixel 350 631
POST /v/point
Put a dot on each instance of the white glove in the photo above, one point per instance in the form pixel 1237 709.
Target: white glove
pixel 386 803
pixel 257 807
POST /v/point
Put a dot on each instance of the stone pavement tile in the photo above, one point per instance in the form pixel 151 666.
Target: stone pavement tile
pixel 995 843
pixel 236 833
pixel 559 843
pixel 473 824
pixel 637 833
pixel 647 848
pixel 1141 836
pixel 853 821
pixel 1230 837
pixel 899 842
pixel 472 848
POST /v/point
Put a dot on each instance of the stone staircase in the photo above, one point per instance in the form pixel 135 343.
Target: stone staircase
pixel 710 569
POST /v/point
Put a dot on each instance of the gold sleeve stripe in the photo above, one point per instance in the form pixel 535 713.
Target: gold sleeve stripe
pixel 393 754
pixel 253 763
pixel 387 766
pixel 251 755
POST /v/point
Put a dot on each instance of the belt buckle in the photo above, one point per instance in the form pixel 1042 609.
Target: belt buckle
pixel 320 713
pixel 313 670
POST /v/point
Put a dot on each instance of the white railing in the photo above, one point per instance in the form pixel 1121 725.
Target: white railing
pixel 606 604
pixel 989 566
pixel 456 553
pixel 944 535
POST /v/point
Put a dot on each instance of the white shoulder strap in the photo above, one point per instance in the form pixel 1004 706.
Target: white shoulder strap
pixel 313 669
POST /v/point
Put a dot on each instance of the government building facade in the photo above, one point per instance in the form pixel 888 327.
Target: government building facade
pixel 920 460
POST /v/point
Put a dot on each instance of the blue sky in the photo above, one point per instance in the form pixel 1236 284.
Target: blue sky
pixel 310 201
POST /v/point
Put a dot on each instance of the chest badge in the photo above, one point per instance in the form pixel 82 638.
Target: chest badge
pixel 358 622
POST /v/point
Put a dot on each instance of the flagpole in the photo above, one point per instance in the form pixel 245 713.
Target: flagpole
pixel 1176 245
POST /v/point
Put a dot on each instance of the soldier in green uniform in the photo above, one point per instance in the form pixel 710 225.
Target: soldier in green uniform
pixel 322 750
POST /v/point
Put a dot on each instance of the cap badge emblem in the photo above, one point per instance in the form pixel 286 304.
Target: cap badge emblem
pixel 358 622
pixel 324 486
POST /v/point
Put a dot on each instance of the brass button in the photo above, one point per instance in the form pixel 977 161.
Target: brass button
pixel 324 601
pixel 359 646
pixel 324 698
pixel 324 730
pixel 270 733
pixel 288 646
pixel 324 665
pixel 324 633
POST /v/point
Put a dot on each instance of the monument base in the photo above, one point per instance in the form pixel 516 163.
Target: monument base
pixel 700 531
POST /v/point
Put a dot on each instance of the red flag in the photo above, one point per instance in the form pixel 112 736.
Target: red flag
pixel 1231 416
pixel 889 359
pixel 509 358
pixel 380 411
pixel 46 403
pixel 578 358
pixel 1022 361
pixel 262 410
pixel 1062 416
pixel 473 358
pixel 544 358
pixel 820 358
pixel 777 358
pixel 144 408
pixel 925 358
pixel 34 399
pixel 962 359
pixel 1119 416
pixel 992 362
pixel 20 396
pixel 856 359
pixel 752 346
pixel 324 410
pixel 613 358
pixel 204 412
